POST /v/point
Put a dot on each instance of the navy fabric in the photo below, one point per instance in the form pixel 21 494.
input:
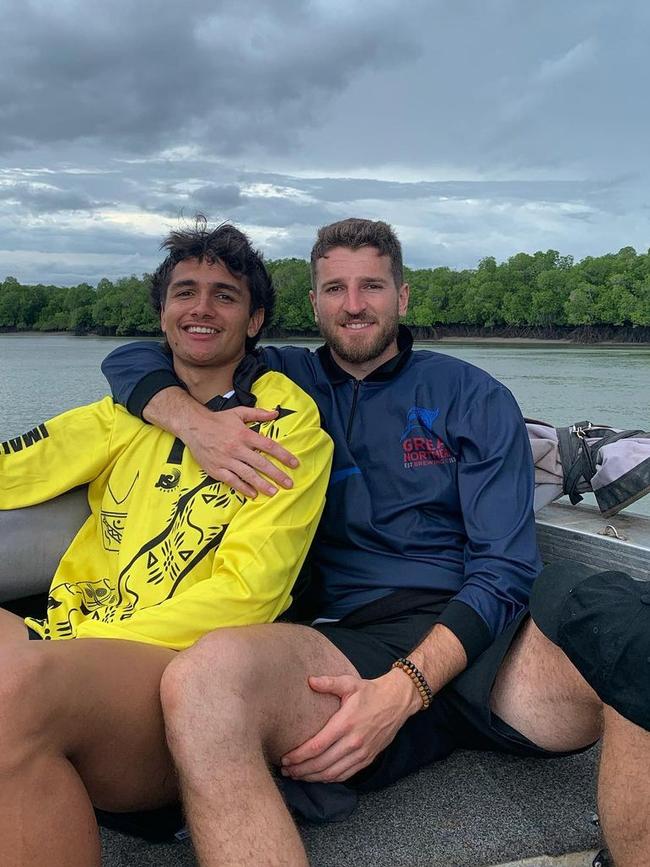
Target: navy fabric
pixel 431 487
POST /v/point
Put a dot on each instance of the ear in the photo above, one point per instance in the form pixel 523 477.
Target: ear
pixel 255 322
pixel 312 298
pixel 403 298
pixel 162 320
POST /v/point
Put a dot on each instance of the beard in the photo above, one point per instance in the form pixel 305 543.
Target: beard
pixel 356 351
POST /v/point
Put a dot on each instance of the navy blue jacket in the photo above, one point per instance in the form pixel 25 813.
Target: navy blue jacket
pixel 431 487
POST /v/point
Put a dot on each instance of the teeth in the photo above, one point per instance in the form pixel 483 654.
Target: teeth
pixel 200 329
pixel 357 325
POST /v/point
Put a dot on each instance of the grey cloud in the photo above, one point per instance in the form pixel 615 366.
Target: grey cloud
pixel 314 197
pixel 41 199
pixel 178 204
pixel 213 196
pixel 295 244
pixel 501 87
pixel 493 87
pixel 351 189
pixel 289 213
pixel 59 274
pixel 227 76
pixel 78 241
pixel 454 223
pixel 271 212
pixel 582 216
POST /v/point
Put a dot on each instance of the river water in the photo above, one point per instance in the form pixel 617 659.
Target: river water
pixel 43 374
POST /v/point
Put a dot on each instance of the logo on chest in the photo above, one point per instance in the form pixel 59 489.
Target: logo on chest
pixel 420 445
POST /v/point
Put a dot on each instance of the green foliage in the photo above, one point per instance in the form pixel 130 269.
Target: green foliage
pixel 544 289
pixel 293 310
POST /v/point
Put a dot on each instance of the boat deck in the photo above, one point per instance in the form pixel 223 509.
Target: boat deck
pixel 471 810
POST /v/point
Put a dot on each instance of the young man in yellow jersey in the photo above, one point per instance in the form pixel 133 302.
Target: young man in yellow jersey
pixel 167 555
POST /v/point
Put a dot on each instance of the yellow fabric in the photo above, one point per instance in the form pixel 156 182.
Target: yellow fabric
pixel 167 554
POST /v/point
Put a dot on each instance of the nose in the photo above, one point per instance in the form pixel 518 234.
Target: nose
pixel 355 302
pixel 202 305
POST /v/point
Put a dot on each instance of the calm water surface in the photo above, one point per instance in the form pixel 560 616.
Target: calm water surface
pixel 42 375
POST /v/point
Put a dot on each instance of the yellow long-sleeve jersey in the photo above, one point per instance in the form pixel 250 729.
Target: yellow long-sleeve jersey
pixel 168 554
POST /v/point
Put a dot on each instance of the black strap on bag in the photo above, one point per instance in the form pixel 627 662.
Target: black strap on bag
pixel 579 458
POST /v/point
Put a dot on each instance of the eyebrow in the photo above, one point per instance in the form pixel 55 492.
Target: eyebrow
pixel 177 284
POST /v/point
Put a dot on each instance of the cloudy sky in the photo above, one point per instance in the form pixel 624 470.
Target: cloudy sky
pixel 476 127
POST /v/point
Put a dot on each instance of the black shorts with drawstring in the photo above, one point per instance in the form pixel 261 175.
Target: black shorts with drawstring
pixel 459 715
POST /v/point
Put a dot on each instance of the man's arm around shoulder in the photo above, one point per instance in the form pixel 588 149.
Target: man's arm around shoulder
pixel 142 378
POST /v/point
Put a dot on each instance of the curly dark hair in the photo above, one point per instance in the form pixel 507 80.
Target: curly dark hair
pixel 225 244
pixel 354 233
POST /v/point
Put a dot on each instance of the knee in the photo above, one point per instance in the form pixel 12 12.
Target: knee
pixel 218 665
pixel 599 622
pixel 568 682
pixel 205 688
pixel 23 715
pixel 22 675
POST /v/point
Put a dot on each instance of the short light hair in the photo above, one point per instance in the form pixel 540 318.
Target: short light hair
pixel 354 233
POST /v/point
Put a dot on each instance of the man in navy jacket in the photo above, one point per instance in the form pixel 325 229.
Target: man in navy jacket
pixel 424 561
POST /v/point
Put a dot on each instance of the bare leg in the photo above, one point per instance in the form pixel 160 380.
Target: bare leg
pixel 236 700
pixel 541 694
pixel 12 627
pixel 624 790
pixel 80 723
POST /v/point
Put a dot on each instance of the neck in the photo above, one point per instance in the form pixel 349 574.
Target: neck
pixel 203 383
pixel 362 369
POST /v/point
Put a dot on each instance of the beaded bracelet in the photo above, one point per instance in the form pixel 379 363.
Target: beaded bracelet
pixel 419 680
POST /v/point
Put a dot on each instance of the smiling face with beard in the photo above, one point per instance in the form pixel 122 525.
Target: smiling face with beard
pixel 357 307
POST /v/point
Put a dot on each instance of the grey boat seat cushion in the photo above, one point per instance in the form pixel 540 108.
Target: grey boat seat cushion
pixel 33 540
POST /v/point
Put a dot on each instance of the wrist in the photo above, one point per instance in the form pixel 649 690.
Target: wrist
pixel 410 669
pixel 409 698
pixel 187 420
pixel 169 409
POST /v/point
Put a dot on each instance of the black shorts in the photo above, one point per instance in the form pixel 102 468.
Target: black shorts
pixel 459 715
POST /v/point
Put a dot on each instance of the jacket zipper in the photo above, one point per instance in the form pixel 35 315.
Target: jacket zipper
pixel 355 395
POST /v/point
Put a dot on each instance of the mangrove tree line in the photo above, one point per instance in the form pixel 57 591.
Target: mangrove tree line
pixel 542 291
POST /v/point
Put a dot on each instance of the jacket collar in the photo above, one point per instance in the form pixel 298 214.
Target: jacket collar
pixel 388 369
pixel 250 368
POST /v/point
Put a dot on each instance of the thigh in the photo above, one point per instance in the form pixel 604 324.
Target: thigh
pixel 12 627
pixel 480 719
pixel 541 693
pixel 282 657
pixel 519 697
pixel 97 701
pixel 266 670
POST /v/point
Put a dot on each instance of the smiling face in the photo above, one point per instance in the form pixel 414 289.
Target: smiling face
pixel 357 307
pixel 206 318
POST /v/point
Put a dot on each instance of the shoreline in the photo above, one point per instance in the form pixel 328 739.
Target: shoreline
pixel 446 339
pixel 535 341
